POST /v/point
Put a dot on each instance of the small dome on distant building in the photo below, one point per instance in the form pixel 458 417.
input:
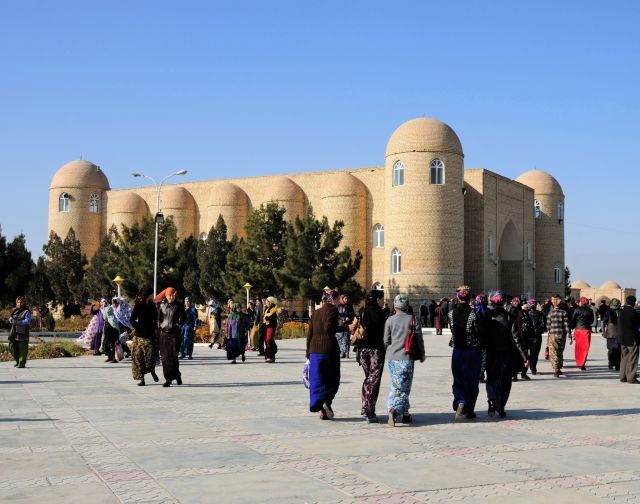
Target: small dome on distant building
pixel 610 284
pixel 541 182
pixel 424 135
pixel 227 195
pixel 285 189
pixel 580 284
pixel 127 202
pixel 176 198
pixel 80 173
pixel 343 184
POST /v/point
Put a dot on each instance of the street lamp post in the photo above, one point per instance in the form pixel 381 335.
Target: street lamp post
pixel 248 286
pixel 159 218
pixel 118 281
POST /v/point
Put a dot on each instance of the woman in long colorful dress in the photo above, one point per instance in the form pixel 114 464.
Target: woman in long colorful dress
pixel 144 319
pixel 171 316
pixel 270 324
pixel 236 330
pixel 323 354
pixel 400 364
pixel 440 317
pixel 91 336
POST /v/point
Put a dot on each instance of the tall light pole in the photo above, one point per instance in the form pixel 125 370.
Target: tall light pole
pixel 159 218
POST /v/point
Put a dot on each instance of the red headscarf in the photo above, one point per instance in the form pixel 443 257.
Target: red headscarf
pixel 168 291
pixel 583 301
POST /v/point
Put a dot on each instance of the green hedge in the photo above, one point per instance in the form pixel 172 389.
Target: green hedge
pixel 46 351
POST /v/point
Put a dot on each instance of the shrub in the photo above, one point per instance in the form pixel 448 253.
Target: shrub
pixel 46 351
pixel 292 330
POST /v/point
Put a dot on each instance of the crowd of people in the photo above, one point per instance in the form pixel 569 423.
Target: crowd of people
pixel 495 340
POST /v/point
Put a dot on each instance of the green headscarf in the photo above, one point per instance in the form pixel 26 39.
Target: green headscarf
pixel 615 304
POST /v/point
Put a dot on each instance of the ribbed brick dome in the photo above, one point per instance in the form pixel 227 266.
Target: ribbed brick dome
pixel 176 198
pixel 285 189
pixel 227 195
pixel 610 284
pixel 80 173
pixel 541 182
pixel 343 184
pixel 127 202
pixel 424 135
pixel 580 284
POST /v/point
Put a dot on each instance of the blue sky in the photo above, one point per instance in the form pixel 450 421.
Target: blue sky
pixel 255 88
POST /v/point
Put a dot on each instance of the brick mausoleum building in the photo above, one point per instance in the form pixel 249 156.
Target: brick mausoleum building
pixel 423 223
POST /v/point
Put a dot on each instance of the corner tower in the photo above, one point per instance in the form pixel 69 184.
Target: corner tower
pixel 76 200
pixel 548 211
pixel 424 210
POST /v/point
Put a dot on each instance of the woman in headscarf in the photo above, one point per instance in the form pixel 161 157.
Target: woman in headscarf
pixel 171 316
pixel 467 340
pixel 111 330
pixel 500 360
pixel 235 329
pixel 144 319
pixel 92 335
pixel 270 324
pixel 582 320
pixel 440 317
pixel 323 354
pixel 20 319
pixel 122 313
pixel 370 352
pixel 400 363
pixel 610 333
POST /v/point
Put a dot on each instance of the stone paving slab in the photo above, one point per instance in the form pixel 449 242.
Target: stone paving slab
pixel 80 430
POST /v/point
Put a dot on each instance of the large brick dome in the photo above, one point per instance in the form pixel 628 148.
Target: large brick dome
pixel 424 135
pixel 541 182
pixel 79 173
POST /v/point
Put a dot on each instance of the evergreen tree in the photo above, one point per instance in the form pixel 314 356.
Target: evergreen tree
pixel 39 293
pixel 187 270
pixel 236 270
pixel 256 259
pixel 567 282
pixel 3 258
pixel 98 280
pixel 18 266
pixel 212 259
pixel 65 267
pixel 313 260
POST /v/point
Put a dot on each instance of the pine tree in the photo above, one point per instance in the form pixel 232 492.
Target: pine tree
pixel 187 270
pixel 256 259
pixel 313 260
pixel 65 267
pixel 98 280
pixel 567 282
pixel 236 270
pixel 212 259
pixel 18 266
pixel 39 293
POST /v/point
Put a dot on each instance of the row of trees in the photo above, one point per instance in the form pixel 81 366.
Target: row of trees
pixel 278 258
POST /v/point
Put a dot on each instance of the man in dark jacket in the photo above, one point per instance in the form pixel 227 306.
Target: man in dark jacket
pixel 629 339
pixel 535 343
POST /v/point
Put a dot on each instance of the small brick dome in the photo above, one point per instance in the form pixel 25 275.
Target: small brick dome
pixel 80 173
pixel 541 182
pixel 424 135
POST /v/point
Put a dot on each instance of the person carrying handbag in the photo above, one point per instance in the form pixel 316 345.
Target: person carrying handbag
pixel 398 329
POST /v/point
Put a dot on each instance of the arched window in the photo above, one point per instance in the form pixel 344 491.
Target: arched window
pixel 203 236
pixel 94 203
pixel 537 209
pixel 436 172
pixel 378 286
pixel 490 245
pixel 398 174
pixel 396 261
pixel 529 251
pixel 378 236
pixel 64 203
pixel 560 211
pixel 556 274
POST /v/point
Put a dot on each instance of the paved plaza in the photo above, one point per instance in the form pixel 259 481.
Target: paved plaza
pixel 79 430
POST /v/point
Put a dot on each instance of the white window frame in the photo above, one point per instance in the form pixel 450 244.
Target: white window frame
pixel 560 211
pixel 378 236
pixel 396 261
pixel 398 174
pixel 94 203
pixel 64 203
pixel 557 274
pixel 378 286
pixel 529 251
pixel 490 245
pixel 537 209
pixel 436 172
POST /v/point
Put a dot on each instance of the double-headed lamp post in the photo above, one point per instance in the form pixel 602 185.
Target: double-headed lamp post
pixel 159 218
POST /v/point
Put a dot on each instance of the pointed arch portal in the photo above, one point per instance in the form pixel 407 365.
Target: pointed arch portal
pixel 511 260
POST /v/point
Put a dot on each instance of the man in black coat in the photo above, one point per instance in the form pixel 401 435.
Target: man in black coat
pixel 629 339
